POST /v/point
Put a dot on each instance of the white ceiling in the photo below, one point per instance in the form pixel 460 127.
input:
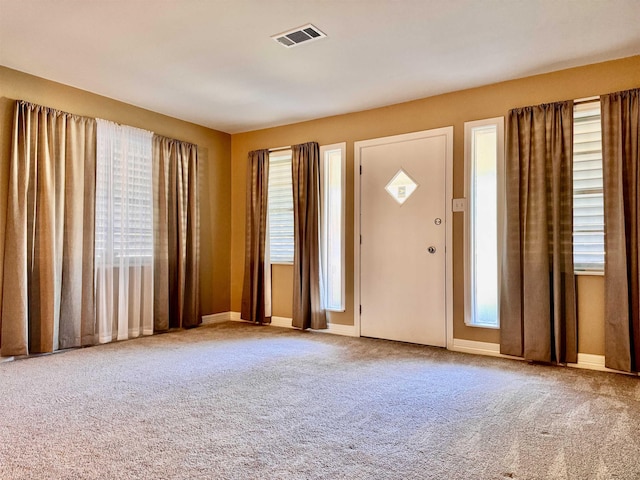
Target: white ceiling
pixel 212 62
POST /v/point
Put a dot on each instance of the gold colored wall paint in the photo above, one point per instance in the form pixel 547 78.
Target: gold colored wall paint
pixel 443 110
pixel 213 148
pixel 282 276
pixel 591 314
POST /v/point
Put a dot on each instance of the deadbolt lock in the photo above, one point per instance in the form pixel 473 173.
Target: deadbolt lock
pixel 431 249
pixel 437 221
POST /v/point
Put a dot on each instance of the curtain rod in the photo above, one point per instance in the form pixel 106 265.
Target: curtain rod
pixel 580 101
pixel 287 147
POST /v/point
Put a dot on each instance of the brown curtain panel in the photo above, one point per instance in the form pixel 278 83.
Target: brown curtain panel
pixel 176 234
pixel 537 300
pixel 307 305
pixel 47 292
pixel 621 169
pixel 254 287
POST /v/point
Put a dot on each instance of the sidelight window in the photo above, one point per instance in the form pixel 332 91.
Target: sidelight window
pixel 484 154
pixel 332 159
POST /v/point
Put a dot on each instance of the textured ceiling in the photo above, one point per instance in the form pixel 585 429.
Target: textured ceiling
pixel 212 62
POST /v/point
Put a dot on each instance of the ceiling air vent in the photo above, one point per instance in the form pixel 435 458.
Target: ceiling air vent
pixel 306 33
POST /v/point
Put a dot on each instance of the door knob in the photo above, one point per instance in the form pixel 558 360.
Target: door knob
pixel 431 249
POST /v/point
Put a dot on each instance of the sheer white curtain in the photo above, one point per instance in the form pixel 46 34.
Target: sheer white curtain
pixel 124 232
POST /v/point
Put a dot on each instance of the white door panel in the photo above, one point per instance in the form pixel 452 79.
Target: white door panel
pixel 402 284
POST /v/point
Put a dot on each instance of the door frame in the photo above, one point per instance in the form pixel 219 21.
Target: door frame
pixel 357 148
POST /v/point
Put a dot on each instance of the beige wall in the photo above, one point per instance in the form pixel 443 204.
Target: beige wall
pixel 443 110
pixel 214 153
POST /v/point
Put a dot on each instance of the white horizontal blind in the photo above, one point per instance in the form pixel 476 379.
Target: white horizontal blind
pixel 588 203
pixel 280 207
pixel 124 193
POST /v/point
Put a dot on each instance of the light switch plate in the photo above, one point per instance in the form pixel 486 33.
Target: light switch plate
pixel 459 204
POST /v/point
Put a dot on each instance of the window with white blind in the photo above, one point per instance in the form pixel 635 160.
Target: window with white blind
pixel 588 202
pixel 332 227
pixel 124 193
pixel 280 208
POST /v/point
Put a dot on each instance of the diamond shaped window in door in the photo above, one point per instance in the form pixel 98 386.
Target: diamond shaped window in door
pixel 401 186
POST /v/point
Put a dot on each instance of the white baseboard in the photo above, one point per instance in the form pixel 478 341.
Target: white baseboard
pixel 235 317
pixel 216 318
pixel 590 362
pixel 478 348
pixel 595 362
pixel 283 322
pixel 6 359
pixel 586 361
pixel 344 330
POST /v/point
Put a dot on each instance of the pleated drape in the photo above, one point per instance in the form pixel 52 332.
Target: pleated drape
pixel 537 301
pixel 255 290
pixel 621 169
pixel 47 300
pixel 307 273
pixel 176 234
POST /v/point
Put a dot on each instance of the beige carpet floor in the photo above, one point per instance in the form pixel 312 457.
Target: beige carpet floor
pixel 237 401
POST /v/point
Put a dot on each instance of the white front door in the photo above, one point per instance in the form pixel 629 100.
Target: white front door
pixel 403 214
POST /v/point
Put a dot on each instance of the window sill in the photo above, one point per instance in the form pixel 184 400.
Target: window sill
pixel 281 263
pixel 480 325
pixel 589 273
